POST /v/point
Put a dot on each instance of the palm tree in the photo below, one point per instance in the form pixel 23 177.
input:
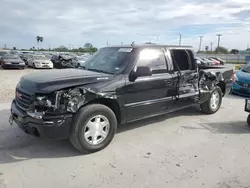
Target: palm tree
pixel 39 39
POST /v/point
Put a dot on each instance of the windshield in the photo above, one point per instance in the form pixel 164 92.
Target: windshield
pixel 246 68
pixel 40 58
pixel 10 57
pixel 110 60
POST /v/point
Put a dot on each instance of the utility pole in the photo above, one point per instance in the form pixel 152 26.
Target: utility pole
pixel 107 43
pixel 179 39
pixel 218 35
pixel 211 45
pixel 200 43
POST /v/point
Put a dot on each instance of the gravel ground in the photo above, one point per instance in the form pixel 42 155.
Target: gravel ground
pixel 9 80
pixel 184 149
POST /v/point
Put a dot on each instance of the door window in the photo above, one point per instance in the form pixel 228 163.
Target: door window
pixel 154 59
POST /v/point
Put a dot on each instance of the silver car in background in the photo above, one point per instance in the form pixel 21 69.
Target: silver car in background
pixel 40 61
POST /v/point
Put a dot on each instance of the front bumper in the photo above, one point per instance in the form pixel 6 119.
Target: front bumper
pixel 237 89
pixel 43 66
pixel 247 105
pixel 14 65
pixel 56 127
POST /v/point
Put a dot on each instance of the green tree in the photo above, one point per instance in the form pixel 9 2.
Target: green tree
pixel 221 49
pixel 234 51
pixel 88 45
pixel 61 49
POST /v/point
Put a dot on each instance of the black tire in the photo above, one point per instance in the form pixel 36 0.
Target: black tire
pixel 80 120
pixel 206 107
pixel 248 119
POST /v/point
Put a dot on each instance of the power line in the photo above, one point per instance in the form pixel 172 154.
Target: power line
pixel 218 35
pixel 200 42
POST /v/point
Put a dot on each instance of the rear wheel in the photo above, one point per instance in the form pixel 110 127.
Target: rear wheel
pixel 248 119
pixel 213 104
pixel 93 128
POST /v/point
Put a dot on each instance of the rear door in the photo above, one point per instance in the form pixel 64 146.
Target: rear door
pixel 185 77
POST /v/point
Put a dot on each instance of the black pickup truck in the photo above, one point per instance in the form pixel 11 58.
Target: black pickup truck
pixel 119 84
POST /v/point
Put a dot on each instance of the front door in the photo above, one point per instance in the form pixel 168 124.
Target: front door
pixel 150 95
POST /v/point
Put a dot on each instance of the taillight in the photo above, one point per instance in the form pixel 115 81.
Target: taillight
pixel 233 76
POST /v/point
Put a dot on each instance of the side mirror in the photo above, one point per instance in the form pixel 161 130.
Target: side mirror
pixel 140 72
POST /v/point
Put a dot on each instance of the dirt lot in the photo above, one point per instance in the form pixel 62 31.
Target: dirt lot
pixel 8 81
pixel 184 149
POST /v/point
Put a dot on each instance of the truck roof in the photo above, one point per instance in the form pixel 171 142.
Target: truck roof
pixel 151 45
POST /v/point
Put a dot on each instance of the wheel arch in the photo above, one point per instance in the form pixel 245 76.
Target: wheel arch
pixel 111 103
pixel 222 86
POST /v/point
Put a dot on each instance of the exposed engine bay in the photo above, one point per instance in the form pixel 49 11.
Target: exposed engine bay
pixel 64 101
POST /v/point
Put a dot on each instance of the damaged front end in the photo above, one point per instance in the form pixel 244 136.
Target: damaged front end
pixel 207 82
pixel 59 102
pixel 64 101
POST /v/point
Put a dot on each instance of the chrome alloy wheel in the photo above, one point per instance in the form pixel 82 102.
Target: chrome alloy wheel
pixel 96 130
pixel 215 100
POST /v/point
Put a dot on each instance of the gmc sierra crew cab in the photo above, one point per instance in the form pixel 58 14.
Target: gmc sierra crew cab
pixel 119 84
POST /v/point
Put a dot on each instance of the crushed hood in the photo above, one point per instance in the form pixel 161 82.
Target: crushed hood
pixel 52 80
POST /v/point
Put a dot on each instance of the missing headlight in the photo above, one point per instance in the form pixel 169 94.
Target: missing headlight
pixel 76 100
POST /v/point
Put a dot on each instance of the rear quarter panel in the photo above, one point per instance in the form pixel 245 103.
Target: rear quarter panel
pixel 224 75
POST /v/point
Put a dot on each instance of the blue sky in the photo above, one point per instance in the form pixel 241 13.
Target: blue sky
pixel 75 22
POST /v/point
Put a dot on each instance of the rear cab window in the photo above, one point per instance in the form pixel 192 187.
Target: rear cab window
pixel 183 59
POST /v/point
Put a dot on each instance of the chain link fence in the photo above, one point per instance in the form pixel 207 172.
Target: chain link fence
pixel 229 58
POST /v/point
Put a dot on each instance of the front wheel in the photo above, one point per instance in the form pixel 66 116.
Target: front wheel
pixel 213 104
pixel 93 128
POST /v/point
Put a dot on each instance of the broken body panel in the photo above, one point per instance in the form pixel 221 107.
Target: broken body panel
pixel 50 99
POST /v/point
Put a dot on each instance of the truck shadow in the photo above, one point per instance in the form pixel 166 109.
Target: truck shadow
pixel 16 146
pixel 229 127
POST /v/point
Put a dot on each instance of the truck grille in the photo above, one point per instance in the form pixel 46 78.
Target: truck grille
pixel 24 100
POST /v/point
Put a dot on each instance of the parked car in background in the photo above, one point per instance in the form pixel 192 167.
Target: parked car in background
pixel 12 61
pixel 201 61
pixel 241 83
pixel 222 62
pixel 40 61
pixel 25 57
pixel 63 61
pixel 215 61
pixel 80 60
pixel 3 53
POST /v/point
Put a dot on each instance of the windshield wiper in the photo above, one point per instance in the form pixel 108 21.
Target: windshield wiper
pixel 97 70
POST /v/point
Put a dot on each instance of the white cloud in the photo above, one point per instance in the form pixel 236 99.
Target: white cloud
pixel 78 21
